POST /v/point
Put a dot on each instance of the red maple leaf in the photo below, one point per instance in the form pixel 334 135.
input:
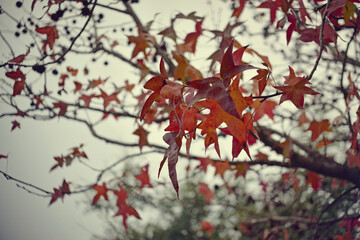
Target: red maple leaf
pixel 312 34
pixel 73 71
pixel 241 169
pixel 87 99
pixel 171 90
pixel 216 117
pixel 303 12
pixel 125 211
pixel 16 75
pixel 189 44
pixel 221 167
pixel 15 124
pixel 261 79
pixel 62 106
pixel 293 26
pixel 37 100
pixel 60 162
pixel 112 112
pixel 204 162
pixel 78 86
pixel 295 93
pixel 273 6
pixel 19 59
pixel 60 192
pixel 302 118
pixel 264 107
pixel 174 140
pixel 237 11
pixel 317 128
pixel 207 226
pixel 51 35
pixel 228 68
pixel 144 177
pixel 141 43
pixel 287 147
pixel 129 87
pixel 142 133
pixel 314 179
pixel 109 98
pixel 155 84
pixel 123 208
pixel 204 189
pixel 101 191
pixel 18 87
pixel 96 82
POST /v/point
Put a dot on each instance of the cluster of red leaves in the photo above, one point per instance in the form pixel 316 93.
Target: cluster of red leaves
pixel 76 153
pixel 337 9
pixel 124 209
pixel 19 78
pixel 60 192
pixel 223 97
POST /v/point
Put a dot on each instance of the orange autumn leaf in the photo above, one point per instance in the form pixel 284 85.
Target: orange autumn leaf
pixel 51 35
pixel 263 108
pixel 324 142
pixel 72 71
pixel 218 116
pixel 317 128
pixel 303 119
pixel 141 43
pixel 241 169
pixel 221 167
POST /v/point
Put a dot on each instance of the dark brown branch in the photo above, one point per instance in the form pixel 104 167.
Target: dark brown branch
pixel 297 219
pixel 316 163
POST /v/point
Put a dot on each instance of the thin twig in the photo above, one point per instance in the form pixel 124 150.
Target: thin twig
pixel 328 207
pixel 321 36
pixel 8 177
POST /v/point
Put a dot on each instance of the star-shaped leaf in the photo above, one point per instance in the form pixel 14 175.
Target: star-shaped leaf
pixel 317 128
pixel 101 191
pixel 144 177
pixel 204 189
pixel 142 133
pixel 295 93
